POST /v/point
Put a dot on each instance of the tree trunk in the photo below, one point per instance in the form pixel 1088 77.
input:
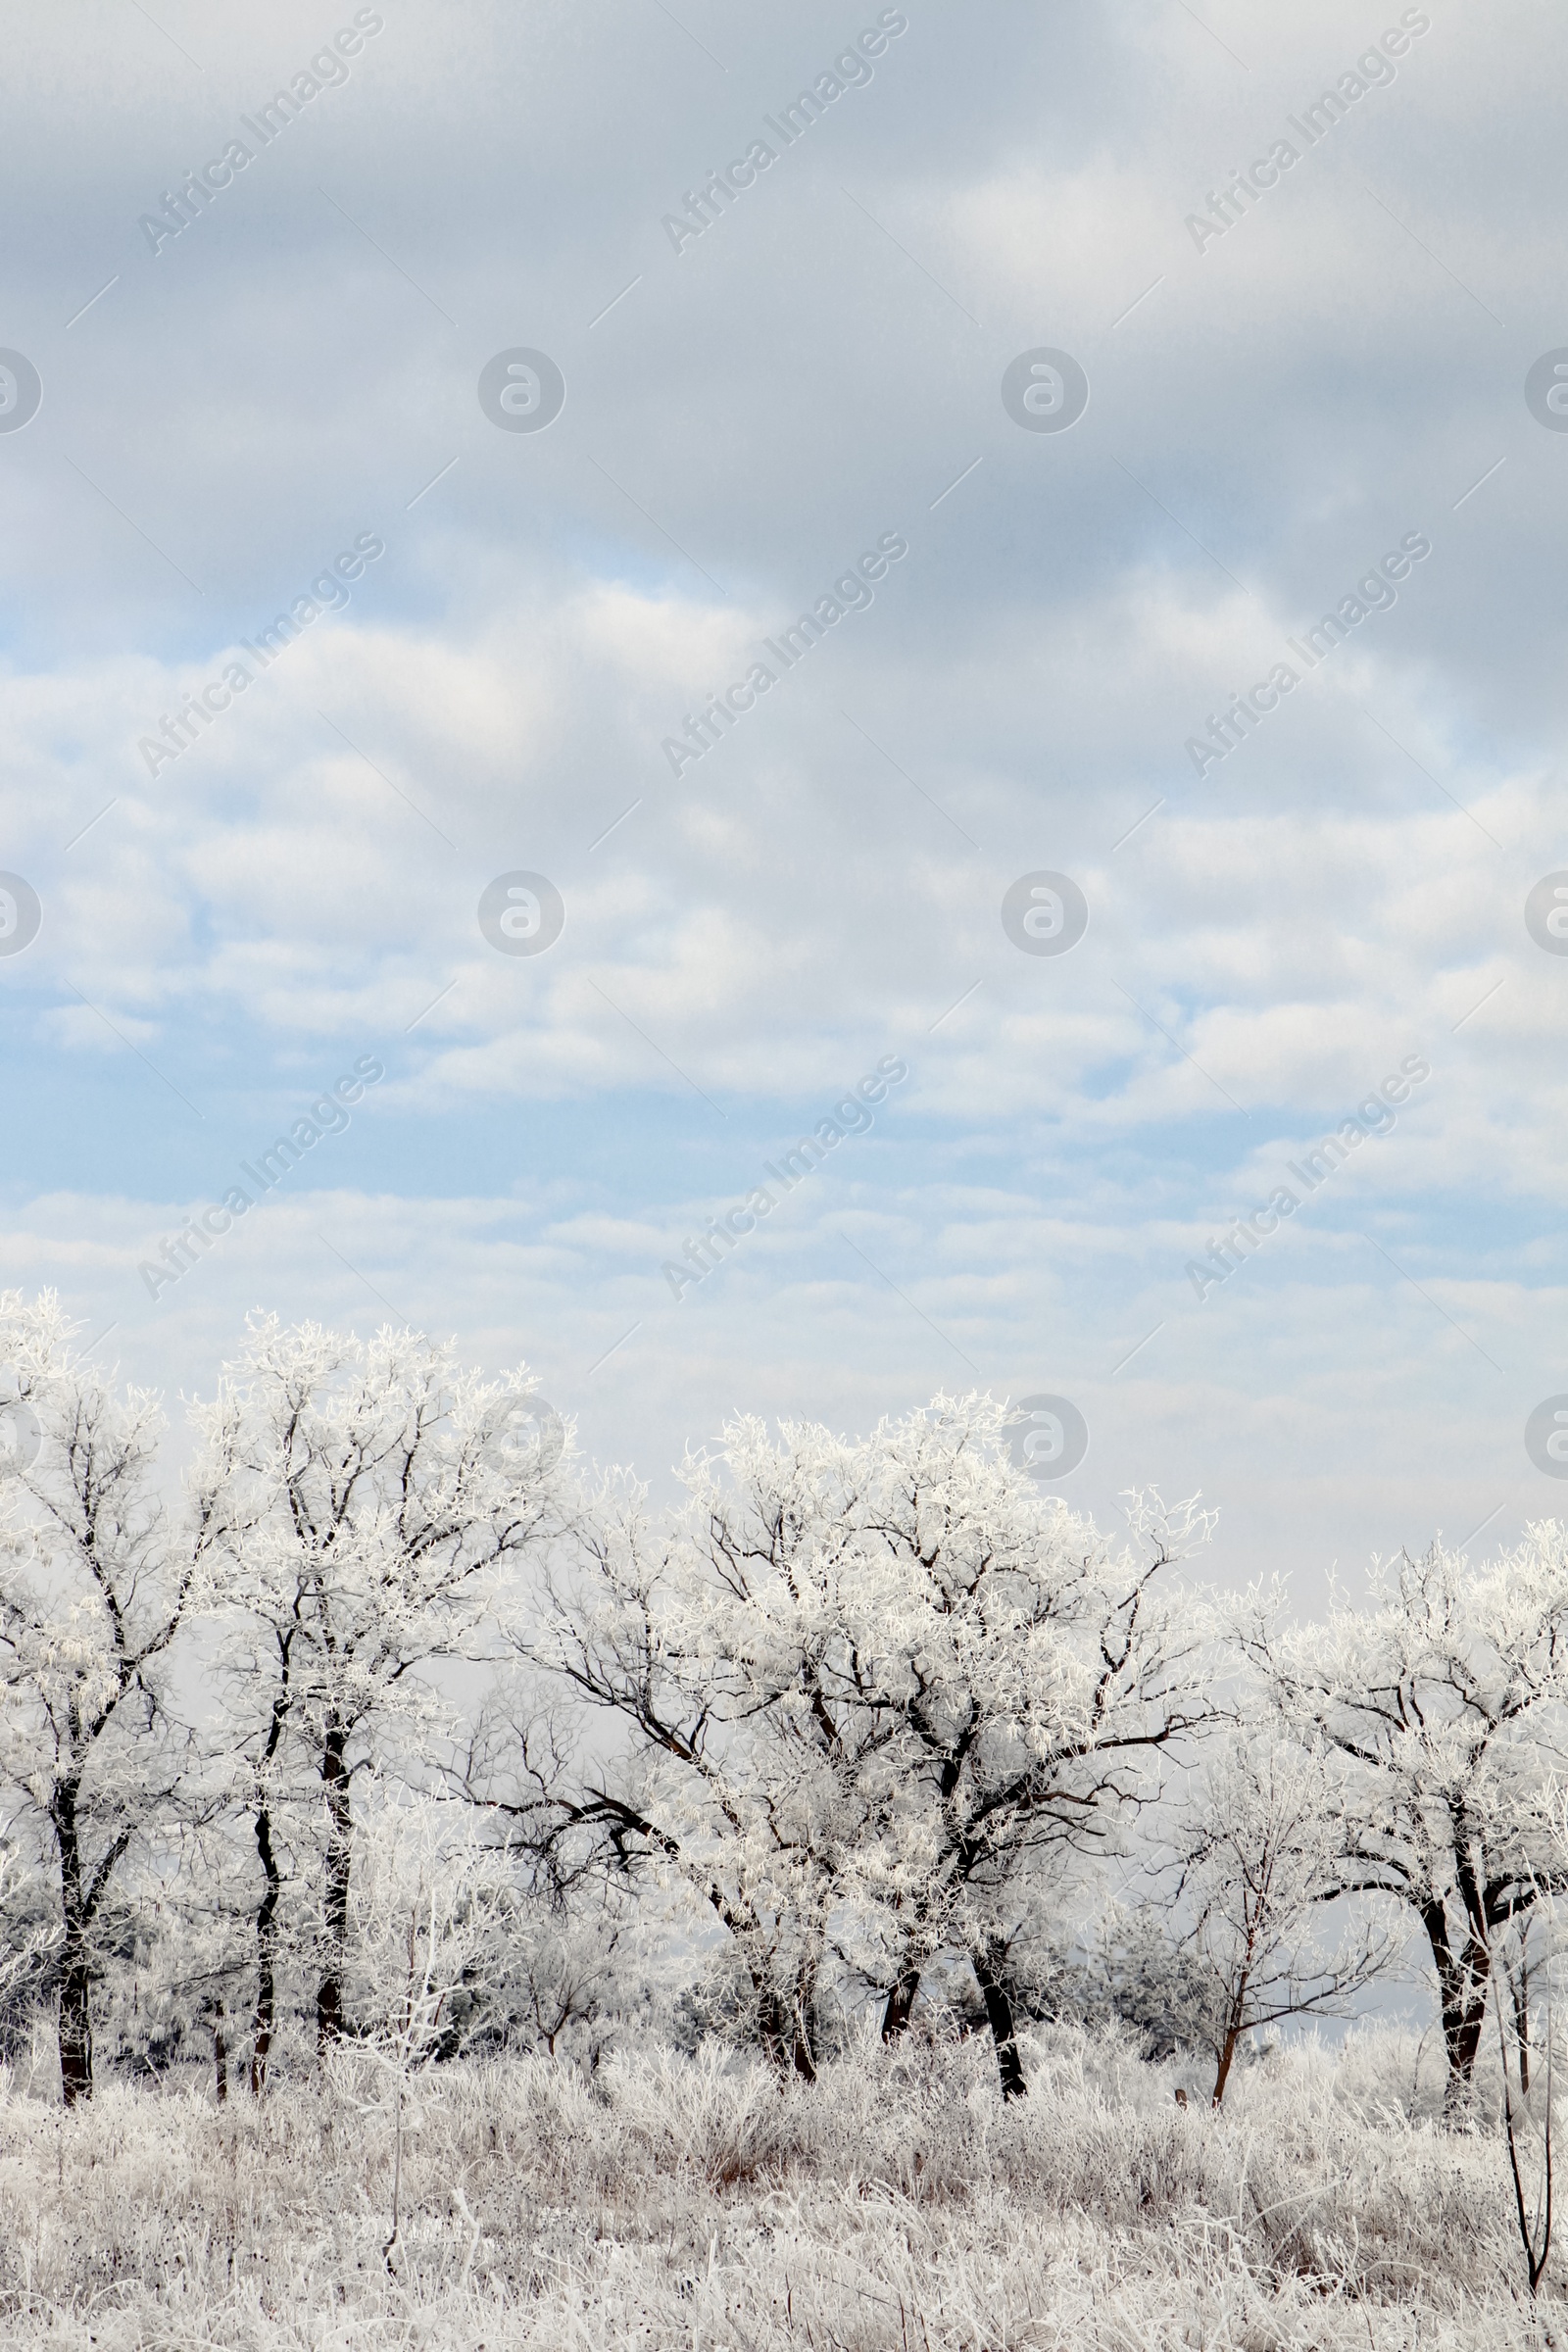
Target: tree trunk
pixel 76 2032
pixel 1227 2051
pixel 330 1993
pixel 219 2056
pixel 1222 2073
pixel 803 2054
pixel 272 1875
pixel 900 2001
pixel 266 1952
pixel 990 1966
pixel 1464 2042
pixel 75 1983
pixel 1462 2002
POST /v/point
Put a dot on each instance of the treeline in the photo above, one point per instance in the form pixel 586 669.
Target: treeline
pixel 392 1720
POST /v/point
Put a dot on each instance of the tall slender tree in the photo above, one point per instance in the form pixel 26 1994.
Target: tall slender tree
pixel 379 1498
pixel 98 1576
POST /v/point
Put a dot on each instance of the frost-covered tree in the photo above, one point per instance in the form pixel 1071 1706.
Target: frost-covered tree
pixel 869 1689
pixel 712 1640
pixel 1446 1701
pixel 99 1572
pixel 1257 1847
pixel 378 1500
pixel 568 1969
pixel 420 1935
pixel 1034 1670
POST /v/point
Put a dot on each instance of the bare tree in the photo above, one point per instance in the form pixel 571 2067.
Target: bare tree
pixel 1257 1851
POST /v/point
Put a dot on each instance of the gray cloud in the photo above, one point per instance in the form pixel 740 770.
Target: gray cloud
pixel 1268 415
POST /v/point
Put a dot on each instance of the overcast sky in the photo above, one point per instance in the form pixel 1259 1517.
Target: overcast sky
pixel 1284 388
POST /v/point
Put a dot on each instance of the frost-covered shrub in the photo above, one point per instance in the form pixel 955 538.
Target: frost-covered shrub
pixel 677 2198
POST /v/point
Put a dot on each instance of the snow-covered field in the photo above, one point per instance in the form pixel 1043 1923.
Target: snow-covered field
pixel 675 2202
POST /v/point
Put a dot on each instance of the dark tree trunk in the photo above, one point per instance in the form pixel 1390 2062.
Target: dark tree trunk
pixel 219 2056
pixel 1521 2023
pixel 76 2032
pixel 1234 2025
pixel 900 2001
pixel 266 1952
pixel 1227 2053
pixel 75 1983
pixel 339 1849
pixel 990 1968
pixel 1462 2002
pixel 271 1876
pixel 1222 2073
